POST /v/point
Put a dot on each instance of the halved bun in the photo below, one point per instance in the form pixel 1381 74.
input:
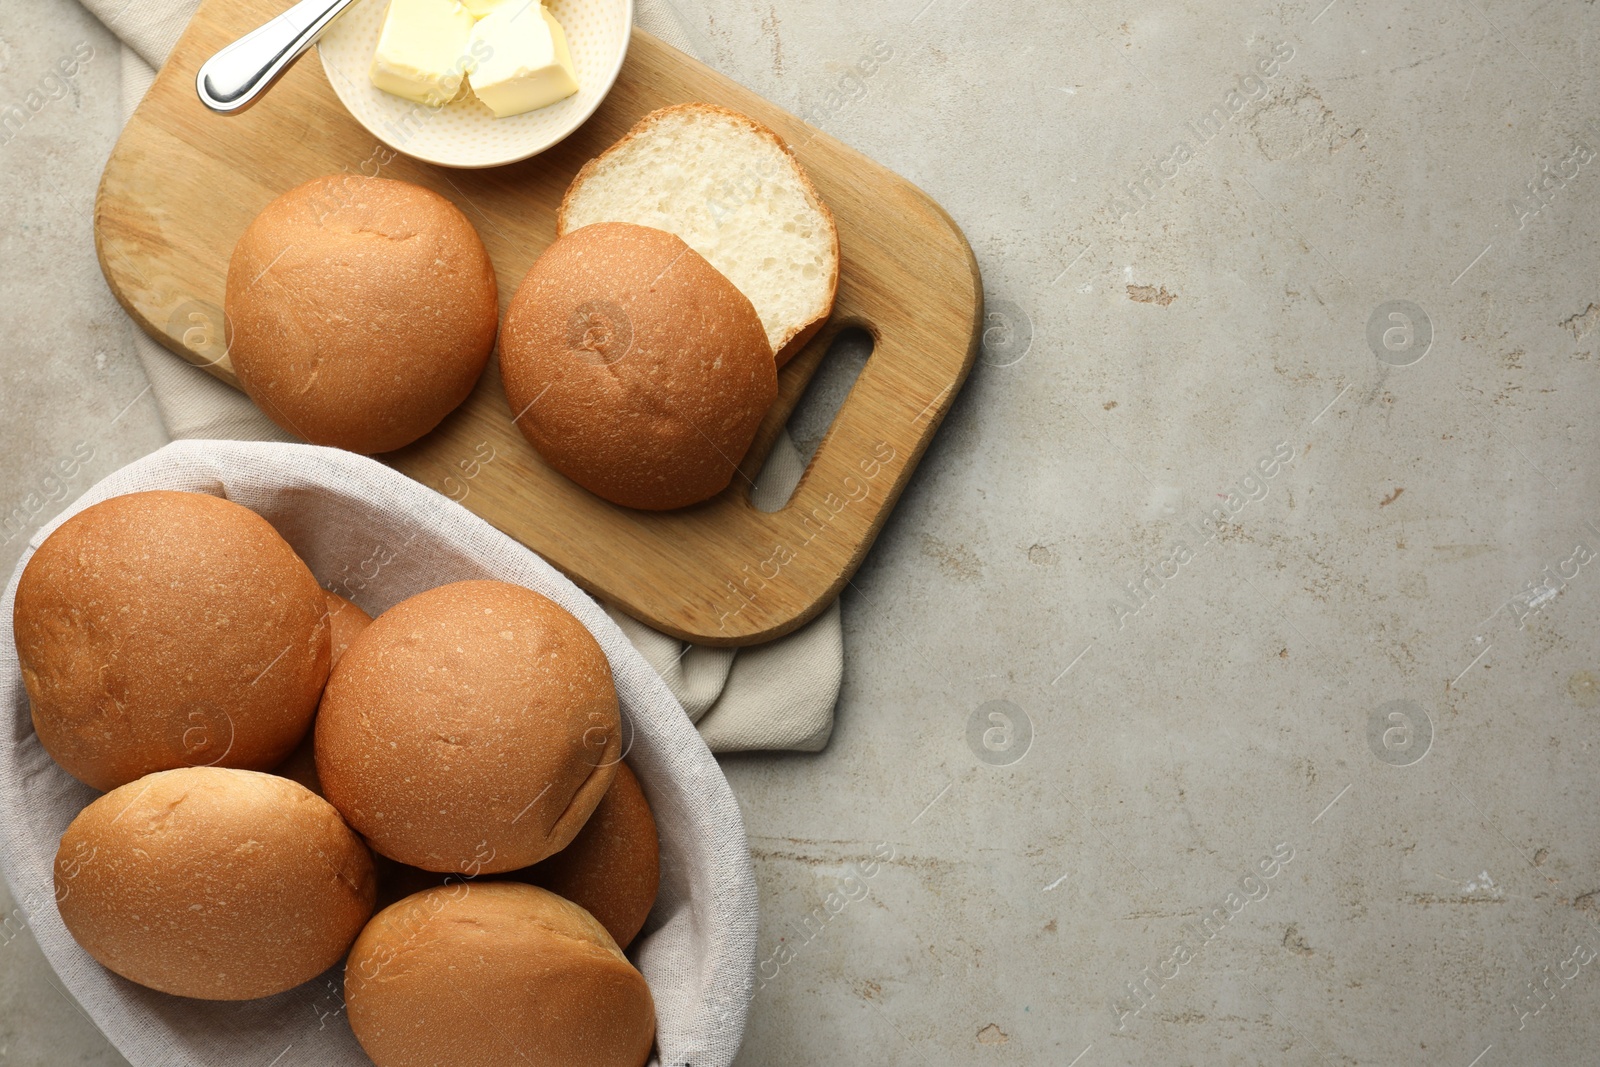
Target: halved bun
pixel 734 192
pixel 635 367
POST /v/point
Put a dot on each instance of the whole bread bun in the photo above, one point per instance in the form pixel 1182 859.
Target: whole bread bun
pixel 160 630
pixel 613 867
pixel 470 729
pixel 213 883
pixel 737 195
pixel 359 311
pixel 345 621
pixel 634 367
pixel 487 974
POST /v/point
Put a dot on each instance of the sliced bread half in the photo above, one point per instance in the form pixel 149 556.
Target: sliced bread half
pixel 731 190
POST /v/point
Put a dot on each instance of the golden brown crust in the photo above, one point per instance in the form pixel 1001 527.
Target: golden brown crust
pixel 161 629
pixel 301 764
pixel 787 347
pixel 345 621
pixel 495 973
pixel 613 867
pixel 470 729
pixel 635 367
pixel 360 311
pixel 803 336
pixel 213 883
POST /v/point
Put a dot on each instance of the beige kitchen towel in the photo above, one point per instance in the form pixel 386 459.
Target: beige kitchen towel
pixel 775 696
pixel 751 698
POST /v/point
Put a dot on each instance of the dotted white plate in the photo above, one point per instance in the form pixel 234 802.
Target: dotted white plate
pixel 465 133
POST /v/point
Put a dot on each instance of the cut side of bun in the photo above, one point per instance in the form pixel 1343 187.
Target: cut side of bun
pixel 734 192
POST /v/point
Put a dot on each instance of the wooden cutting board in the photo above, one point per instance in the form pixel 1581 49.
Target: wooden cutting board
pixel 183 183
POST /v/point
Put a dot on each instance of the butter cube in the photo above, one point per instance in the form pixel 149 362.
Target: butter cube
pixel 522 59
pixel 422 52
pixel 480 8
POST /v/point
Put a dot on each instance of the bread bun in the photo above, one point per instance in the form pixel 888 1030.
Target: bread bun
pixel 613 867
pixel 360 311
pixel 494 973
pixel 160 630
pixel 634 367
pixel 213 883
pixel 737 195
pixel 345 621
pixel 470 729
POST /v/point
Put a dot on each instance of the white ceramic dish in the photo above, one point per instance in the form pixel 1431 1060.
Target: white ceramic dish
pixel 465 133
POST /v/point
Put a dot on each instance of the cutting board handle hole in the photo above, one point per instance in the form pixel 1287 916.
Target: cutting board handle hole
pixel 808 423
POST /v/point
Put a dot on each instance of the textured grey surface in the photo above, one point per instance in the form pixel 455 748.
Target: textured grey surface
pixel 1193 698
pixel 73 406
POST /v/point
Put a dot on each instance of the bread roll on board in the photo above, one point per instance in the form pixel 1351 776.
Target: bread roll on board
pixel 634 367
pixel 213 883
pixel 160 630
pixel 735 193
pixel 488 974
pixel 360 311
pixel 471 729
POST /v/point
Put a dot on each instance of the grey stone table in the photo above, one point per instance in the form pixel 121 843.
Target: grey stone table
pixel 1226 687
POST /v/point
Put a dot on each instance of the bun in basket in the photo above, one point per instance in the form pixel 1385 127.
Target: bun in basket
pixel 213 883
pixel 613 867
pixel 345 621
pixel 734 191
pixel 486 974
pixel 161 629
pixel 634 367
pixel 360 311
pixel 471 729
